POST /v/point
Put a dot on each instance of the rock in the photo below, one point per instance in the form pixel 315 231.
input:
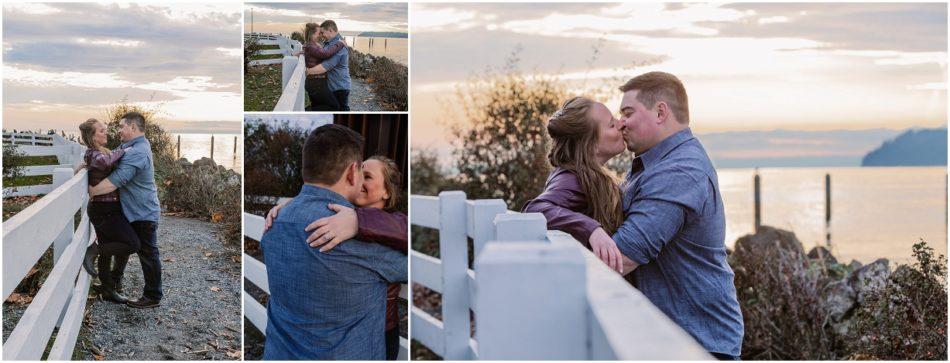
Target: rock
pixel 855 265
pixel 822 253
pixel 206 162
pixel 767 237
pixel 869 277
pixel 838 299
pixel 182 162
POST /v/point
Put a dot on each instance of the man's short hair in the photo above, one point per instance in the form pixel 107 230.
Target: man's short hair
pixel 134 118
pixel 661 86
pixel 328 25
pixel 328 151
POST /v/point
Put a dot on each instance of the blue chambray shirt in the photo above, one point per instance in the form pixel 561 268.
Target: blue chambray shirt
pixel 325 306
pixel 338 67
pixel 675 230
pixel 135 178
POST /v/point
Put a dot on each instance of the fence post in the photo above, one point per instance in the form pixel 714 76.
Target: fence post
pixel 481 217
pixel 300 103
pixel 453 249
pixel 287 70
pixel 828 210
pixel 521 227
pixel 758 201
pixel 531 302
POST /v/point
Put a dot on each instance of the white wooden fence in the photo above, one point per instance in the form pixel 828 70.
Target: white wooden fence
pixel 67 153
pixel 62 299
pixel 293 76
pixel 535 294
pixel 286 47
pixel 256 272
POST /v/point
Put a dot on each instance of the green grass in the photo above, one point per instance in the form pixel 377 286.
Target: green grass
pixel 262 87
pixel 268 47
pixel 266 56
pixel 27 180
pixel 39 160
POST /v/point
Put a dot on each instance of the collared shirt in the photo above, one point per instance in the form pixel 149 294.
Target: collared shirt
pixel 338 67
pixel 675 230
pixel 135 179
pixel 325 306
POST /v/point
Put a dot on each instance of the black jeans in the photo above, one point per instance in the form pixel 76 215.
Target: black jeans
pixel 343 99
pixel 117 239
pixel 392 343
pixel 321 99
pixel 149 258
pixel 723 356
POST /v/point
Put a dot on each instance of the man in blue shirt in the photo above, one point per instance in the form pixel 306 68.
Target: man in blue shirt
pixel 326 305
pixel 674 231
pixel 134 176
pixel 337 67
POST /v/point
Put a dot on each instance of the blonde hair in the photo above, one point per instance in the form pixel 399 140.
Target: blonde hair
pixel 87 133
pixel 392 179
pixel 575 136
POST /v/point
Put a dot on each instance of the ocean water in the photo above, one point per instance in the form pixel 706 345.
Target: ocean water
pixel 196 146
pixel 876 212
pixel 396 49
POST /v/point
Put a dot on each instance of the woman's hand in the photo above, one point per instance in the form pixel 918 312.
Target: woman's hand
pixel 606 249
pixel 330 231
pixel 272 213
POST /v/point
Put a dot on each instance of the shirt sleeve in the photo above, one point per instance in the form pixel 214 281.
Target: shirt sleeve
pixel 558 202
pixel 658 212
pixel 382 227
pixel 333 61
pixel 128 166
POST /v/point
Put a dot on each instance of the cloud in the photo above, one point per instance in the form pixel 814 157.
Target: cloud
pixel 350 17
pixel 30 8
pixel 55 79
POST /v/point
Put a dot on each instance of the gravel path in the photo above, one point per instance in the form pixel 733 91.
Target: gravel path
pixel 362 98
pixel 200 315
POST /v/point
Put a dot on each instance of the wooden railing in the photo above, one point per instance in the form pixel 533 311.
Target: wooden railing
pixel 61 301
pixel 285 47
pixel 256 272
pixel 535 294
pixel 67 153
pixel 293 76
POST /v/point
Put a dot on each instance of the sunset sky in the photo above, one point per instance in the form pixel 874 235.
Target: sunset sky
pixel 350 17
pixel 807 67
pixel 66 62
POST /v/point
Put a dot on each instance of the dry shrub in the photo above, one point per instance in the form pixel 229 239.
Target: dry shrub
pixel 207 192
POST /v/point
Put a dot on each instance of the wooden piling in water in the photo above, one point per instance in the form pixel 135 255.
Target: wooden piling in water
pixel 828 210
pixel 212 147
pixel 234 153
pixel 758 201
pixel 179 146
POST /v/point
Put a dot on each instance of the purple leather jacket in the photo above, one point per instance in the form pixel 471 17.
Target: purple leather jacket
pixel 390 229
pixel 100 165
pixel 314 54
pixel 564 205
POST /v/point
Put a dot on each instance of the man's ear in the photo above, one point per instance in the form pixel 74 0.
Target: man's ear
pixel 662 111
pixel 352 173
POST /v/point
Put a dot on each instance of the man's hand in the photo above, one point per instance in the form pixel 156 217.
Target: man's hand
pixel 606 249
pixel 330 231
pixel 104 187
pixel 317 69
pixel 272 214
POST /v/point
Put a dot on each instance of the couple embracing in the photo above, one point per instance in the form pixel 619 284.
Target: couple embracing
pixel 336 255
pixel 123 209
pixel 328 67
pixel 664 224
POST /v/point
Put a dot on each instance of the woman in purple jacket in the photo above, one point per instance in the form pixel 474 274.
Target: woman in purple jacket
pixel 585 136
pixel 115 236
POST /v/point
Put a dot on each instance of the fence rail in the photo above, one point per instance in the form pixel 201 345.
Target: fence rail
pixel 61 301
pixel 67 153
pixel 520 268
pixel 285 46
pixel 256 272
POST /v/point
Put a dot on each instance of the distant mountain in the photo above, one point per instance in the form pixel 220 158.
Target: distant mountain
pixel 920 147
pixel 384 34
